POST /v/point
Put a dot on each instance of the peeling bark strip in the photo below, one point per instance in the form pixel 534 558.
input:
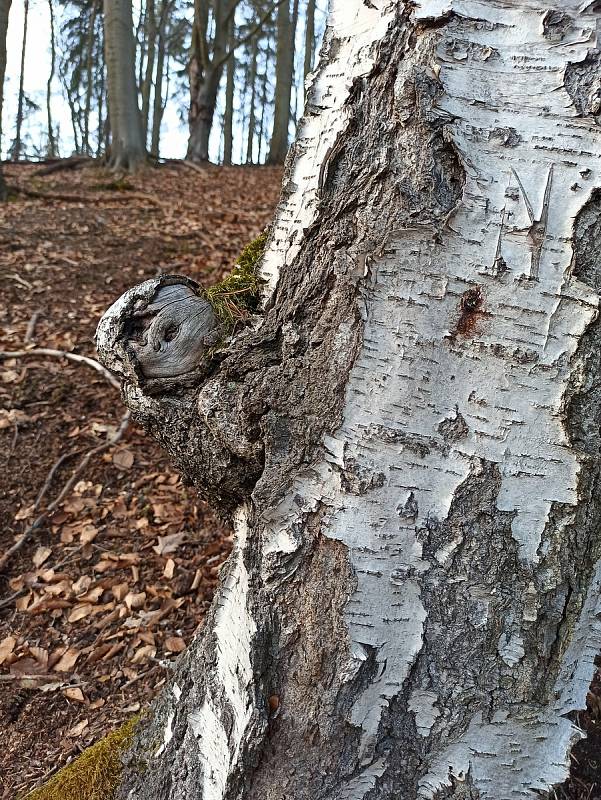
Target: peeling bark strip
pixel 410 432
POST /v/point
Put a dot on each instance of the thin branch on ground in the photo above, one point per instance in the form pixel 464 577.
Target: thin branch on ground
pixel 46 351
pixel 122 197
pixel 30 332
pixel 38 522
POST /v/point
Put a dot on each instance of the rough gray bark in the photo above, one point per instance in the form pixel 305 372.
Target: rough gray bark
pixel 128 150
pixel 4 11
pixel 407 436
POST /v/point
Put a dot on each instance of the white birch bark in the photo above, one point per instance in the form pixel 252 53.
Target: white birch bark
pixel 412 610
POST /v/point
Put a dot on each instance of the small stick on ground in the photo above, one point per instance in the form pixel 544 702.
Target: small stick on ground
pixel 45 351
pixel 30 332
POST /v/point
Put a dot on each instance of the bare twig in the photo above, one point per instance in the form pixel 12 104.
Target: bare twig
pixel 30 332
pixel 38 522
pixel 45 351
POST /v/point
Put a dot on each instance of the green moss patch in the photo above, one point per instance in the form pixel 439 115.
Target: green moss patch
pixel 237 296
pixel 95 774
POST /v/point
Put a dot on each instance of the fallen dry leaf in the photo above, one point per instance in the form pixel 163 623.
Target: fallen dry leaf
pixel 67 660
pixel 78 729
pixel 135 600
pixel 123 459
pixel 168 544
pixel 41 555
pixel 80 611
pixel 7 645
pixel 24 513
pixel 74 693
pixel 144 653
pixel 175 644
pixel 169 569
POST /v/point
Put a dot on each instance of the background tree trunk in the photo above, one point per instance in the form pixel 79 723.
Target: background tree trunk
pixel 309 37
pixel 127 143
pixel 408 438
pixel 252 116
pixel 52 151
pixel 18 144
pixel 158 106
pixel 284 70
pixel 4 11
pixel 150 27
pixel 228 121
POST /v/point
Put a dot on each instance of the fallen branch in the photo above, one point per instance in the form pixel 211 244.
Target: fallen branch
pixel 122 197
pixel 66 488
pixel 45 351
pixel 64 164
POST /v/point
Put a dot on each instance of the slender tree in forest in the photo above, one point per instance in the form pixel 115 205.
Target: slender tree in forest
pixel 89 90
pixel 52 145
pixel 4 11
pixel 209 54
pixel 18 143
pixel 228 117
pixel 128 150
pixel 309 37
pixel 157 105
pixel 286 30
pixel 150 28
pixel 252 108
pixel 406 436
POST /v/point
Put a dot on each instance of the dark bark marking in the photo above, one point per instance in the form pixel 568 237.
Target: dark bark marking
pixel 583 83
pixel 470 312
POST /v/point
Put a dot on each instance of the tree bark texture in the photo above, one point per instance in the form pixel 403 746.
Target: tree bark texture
pixel 407 437
pixel 127 141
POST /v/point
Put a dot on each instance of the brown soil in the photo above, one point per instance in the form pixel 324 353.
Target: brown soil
pixel 102 604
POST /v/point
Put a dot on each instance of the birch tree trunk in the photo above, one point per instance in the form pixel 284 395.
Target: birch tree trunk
pixel 407 436
pixel 128 150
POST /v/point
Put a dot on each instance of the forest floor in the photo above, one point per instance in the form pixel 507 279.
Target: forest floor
pixel 114 583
